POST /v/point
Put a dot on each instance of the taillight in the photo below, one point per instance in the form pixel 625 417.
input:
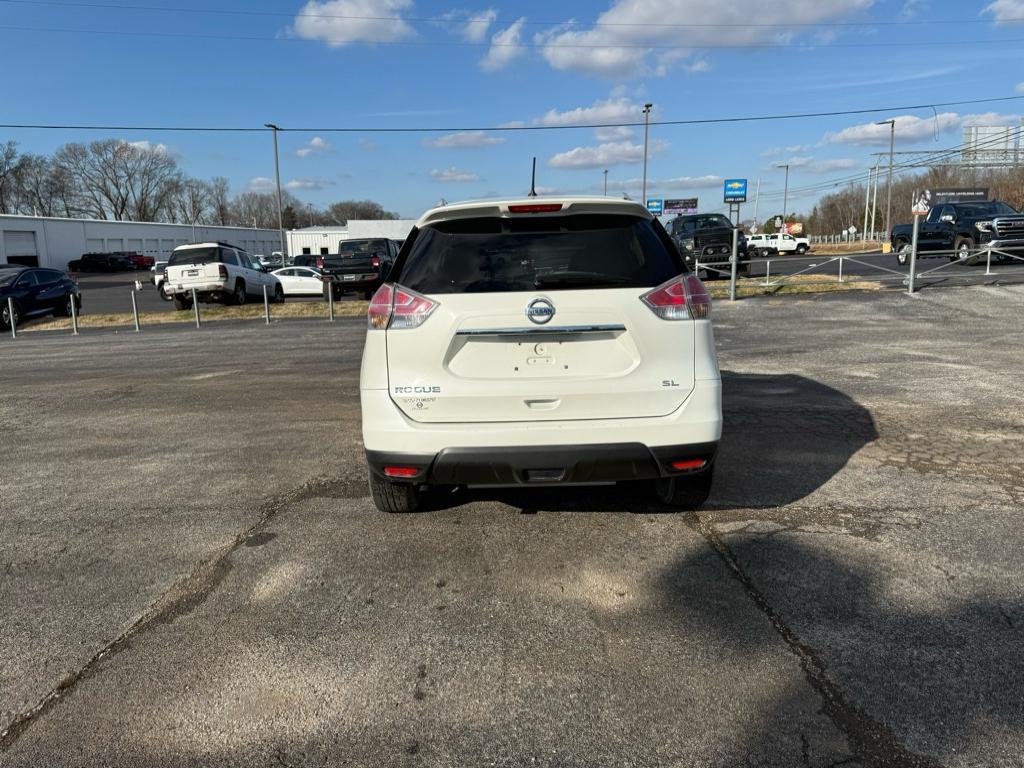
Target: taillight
pixel 375 260
pixel 223 271
pixel 681 298
pixel 396 308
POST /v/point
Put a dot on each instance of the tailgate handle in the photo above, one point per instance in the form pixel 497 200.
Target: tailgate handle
pixel 543 405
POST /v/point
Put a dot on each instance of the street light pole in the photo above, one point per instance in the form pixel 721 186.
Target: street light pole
pixel 888 184
pixel 647 116
pixel 606 183
pixel 277 177
pixel 785 195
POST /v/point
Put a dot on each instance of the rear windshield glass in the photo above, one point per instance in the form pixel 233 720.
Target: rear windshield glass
pixel 552 253
pixel 194 256
pixel 364 246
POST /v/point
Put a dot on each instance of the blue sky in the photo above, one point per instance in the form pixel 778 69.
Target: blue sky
pixel 411 63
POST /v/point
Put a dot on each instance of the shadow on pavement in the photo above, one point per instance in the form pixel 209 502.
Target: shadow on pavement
pixel 784 437
pixel 907 685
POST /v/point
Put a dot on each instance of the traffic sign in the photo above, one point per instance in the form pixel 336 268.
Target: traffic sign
pixel 735 190
pixel 655 205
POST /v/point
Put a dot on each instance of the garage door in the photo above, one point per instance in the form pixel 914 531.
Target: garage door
pixel 20 248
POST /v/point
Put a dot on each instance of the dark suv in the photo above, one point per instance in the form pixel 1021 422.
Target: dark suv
pixel 708 237
pixel 34 291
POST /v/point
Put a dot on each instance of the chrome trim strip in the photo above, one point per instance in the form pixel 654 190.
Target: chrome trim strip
pixel 539 330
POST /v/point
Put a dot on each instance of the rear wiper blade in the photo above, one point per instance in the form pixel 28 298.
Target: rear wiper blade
pixel 577 278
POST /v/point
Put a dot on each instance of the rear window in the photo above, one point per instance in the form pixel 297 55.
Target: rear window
pixel 194 256
pixel 550 253
pixel 379 247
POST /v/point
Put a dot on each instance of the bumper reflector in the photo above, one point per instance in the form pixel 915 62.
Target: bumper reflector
pixel 689 464
pixel 400 471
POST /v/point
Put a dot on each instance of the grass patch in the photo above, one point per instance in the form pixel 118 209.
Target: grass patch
pixel 207 313
pixel 754 286
pixel 835 249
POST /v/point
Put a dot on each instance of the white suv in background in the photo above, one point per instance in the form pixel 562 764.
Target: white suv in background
pixel 540 342
pixel 780 242
pixel 217 272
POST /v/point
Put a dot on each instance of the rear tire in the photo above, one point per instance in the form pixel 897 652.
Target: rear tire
pixel 396 498
pixel 64 310
pixel 239 297
pixel 801 249
pixel 684 491
pixel 5 317
pixel 278 294
pixel 902 252
pixel 182 302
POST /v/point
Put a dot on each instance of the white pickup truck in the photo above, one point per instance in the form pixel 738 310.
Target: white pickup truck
pixel 217 272
pixel 778 243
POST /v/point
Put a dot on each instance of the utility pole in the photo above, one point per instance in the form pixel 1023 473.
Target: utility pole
pixel 874 199
pixel 647 117
pixel 867 200
pixel 277 176
pixel 785 196
pixel 757 199
pixel 606 183
pixel 888 195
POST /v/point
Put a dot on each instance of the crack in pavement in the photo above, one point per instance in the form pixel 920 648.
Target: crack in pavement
pixel 180 599
pixel 872 742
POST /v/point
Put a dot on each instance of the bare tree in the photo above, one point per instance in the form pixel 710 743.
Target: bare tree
pixel 259 209
pixel 343 210
pixel 11 168
pixel 220 200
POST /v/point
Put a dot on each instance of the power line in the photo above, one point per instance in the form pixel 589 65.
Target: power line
pixel 513 128
pixel 568 24
pixel 539 45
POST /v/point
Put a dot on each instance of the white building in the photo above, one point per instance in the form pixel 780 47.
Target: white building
pixel 319 240
pixel 53 242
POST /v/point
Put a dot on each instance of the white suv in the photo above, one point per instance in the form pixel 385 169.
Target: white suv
pixel 540 342
pixel 780 242
pixel 217 272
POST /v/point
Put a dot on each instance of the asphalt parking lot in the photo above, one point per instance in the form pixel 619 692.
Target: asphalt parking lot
pixel 194 573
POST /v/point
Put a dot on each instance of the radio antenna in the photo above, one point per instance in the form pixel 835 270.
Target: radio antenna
pixel 533 179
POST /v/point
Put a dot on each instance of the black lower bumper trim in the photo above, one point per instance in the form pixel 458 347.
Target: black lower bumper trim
pixel 542 465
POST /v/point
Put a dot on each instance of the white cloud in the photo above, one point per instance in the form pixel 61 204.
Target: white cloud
pixel 309 183
pixel 615 109
pixel 367 145
pixel 909 128
pixel 340 22
pixel 680 183
pixel 604 155
pixel 451 173
pixel 505 46
pixel 776 151
pixel 316 144
pixel 1020 87
pixel 617 133
pixel 698 65
pixel 464 140
pixel 476 26
pixel 629 38
pixel 260 184
pixel 148 146
pixel 990 118
pixel 814 165
pixel 1006 11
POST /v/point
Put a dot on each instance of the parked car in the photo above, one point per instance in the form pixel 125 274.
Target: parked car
pixel 300 281
pixel 159 277
pixel 138 260
pixel 707 237
pixel 36 291
pixel 778 243
pixel 101 262
pixel 528 343
pixel 958 230
pixel 217 272
pixel 359 265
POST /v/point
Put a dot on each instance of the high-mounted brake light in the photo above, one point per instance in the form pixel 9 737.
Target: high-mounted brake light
pixel 396 308
pixel 535 208
pixel 681 298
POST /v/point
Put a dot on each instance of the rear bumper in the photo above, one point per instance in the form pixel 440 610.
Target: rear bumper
pixel 358 282
pixel 204 290
pixel 548 465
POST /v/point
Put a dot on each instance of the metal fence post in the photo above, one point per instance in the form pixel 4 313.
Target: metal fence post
pixel 135 312
pixel 988 261
pixel 913 254
pixel 330 302
pixel 10 316
pixel 266 306
pixel 195 306
pixel 74 315
pixel 840 269
pixel 734 258
pixel 767 271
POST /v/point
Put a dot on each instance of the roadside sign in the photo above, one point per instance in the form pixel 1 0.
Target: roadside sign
pixel 795 227
pixel 735 190
pixel 852 230
pixel 778 222
pixel 922 202
pixel 681 205
pixel 960 195
pixel 655 205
